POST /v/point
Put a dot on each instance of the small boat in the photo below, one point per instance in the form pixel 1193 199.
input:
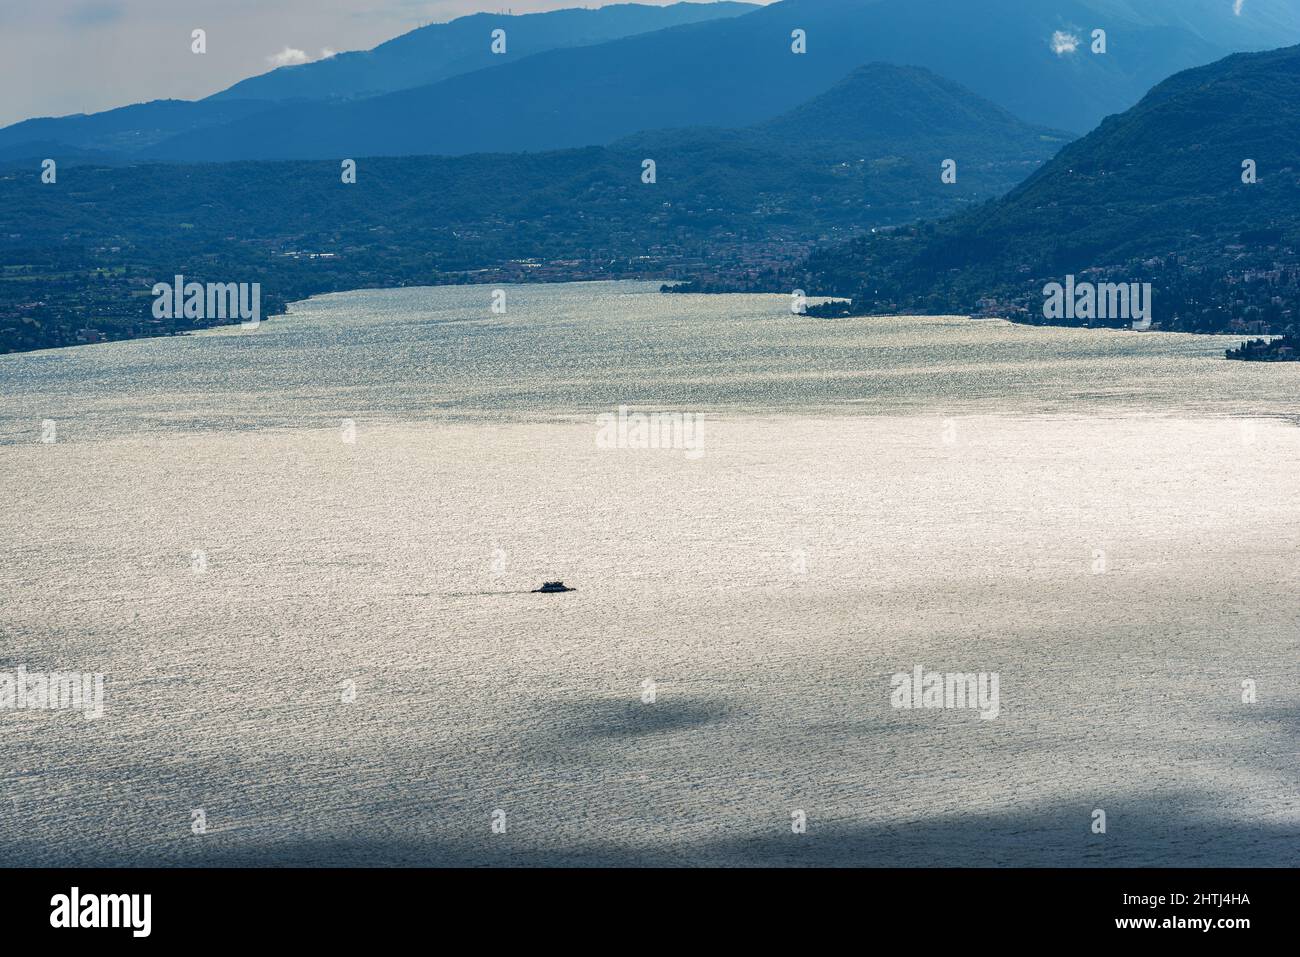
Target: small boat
pixel 550 588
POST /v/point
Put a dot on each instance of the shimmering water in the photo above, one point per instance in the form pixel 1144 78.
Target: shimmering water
pixel 1104 519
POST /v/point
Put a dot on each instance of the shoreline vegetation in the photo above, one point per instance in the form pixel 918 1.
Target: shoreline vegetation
pixel 1282 349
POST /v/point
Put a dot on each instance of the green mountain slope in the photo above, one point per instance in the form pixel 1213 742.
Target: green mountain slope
pixel 725 203
pixel 1153 195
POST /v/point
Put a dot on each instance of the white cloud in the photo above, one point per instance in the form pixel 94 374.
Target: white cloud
pixel 292 56
pixel 1063 43
pixel 1237 5
pixel 288 57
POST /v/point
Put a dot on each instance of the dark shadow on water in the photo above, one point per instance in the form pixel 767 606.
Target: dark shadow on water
pixel 1158 830
pixel 630 717
pixel 1276 718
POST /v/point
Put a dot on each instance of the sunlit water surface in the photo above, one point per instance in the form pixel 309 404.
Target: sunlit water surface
pixel 302 555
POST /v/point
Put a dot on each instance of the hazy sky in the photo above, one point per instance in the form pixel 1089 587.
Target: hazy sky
pixel 80 56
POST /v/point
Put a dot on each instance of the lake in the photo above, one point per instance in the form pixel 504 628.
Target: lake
pixel 302 556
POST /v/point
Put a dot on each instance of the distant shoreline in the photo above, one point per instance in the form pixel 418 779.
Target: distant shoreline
pixel 1259 349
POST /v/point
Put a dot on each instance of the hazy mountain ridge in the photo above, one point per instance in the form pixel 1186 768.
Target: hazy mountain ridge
pixel 416 58
pixel 437 51
pixel 738 71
